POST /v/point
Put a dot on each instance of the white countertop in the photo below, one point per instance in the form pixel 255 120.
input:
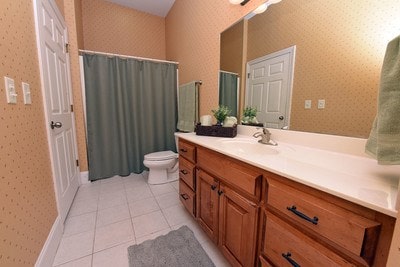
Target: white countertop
pixel 354 178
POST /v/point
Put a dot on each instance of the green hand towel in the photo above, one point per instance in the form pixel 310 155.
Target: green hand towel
pixel 384 140
pixel 187 107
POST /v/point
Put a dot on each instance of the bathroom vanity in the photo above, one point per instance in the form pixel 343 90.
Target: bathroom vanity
pixel 267 206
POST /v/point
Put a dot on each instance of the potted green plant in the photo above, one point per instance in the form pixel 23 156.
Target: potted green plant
pixel 249 115
pixel 221 113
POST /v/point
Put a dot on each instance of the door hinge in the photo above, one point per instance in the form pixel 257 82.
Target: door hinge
pixel 72 108
pixel 66 47
pixel 77 163
pixel 248 75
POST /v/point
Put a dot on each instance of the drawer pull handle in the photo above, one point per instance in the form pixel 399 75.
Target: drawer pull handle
pixel 183 150
pixel 288 257
pixel 213 187
pixel 185 196
pixel 303 216
pixel 184 172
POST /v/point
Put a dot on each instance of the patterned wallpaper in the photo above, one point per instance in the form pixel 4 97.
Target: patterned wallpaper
pixel 231 54
pixel 339 54
pixel 108 27
pixel 79 22
pixel 193 35
pixel 27 201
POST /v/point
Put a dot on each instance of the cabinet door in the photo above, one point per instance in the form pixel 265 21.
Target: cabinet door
pixel 207 203
pixel 237 227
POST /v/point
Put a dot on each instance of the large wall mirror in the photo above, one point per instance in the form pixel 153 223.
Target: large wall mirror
pixel 339 49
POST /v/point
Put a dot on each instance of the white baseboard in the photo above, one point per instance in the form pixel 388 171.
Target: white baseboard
pixel 85 177
pixel 49 250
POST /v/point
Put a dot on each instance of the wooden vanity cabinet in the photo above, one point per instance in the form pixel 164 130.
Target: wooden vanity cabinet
pixel 258 218
pixel 237 227
pixel 187 177
pixel 226 209
pixel 318 229
pixel 207 189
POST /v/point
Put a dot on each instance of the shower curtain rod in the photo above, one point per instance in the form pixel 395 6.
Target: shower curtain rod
pixel 237 74
pixel 126 56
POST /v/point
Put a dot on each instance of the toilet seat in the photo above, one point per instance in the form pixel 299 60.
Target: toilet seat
pixel 163 155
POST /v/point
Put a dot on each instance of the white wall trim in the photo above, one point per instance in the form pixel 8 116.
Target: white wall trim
pixel 46 256
pixel 85 177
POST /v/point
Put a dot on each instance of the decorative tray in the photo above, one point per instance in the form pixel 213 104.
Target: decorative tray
pixel 216 130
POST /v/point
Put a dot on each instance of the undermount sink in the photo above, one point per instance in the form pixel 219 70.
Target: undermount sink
pixel 247 146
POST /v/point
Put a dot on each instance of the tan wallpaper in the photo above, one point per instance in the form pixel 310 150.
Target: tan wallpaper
pixel 231 54
pixel 340 49
pixel 72 18
pixel 79 22
pixel 27 201
pixel 113 28
pixel 193 35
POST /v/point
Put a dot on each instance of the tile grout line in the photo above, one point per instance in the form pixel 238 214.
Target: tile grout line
pixel 95 226
pixel 130 215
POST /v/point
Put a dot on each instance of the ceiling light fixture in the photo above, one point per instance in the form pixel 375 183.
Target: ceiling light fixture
pixel 261 8
pixel 236 2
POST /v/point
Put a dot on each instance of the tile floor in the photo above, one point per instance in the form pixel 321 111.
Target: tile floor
pixel 110 215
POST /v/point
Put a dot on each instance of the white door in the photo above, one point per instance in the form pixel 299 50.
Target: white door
pixel 56 85
pixel 269 86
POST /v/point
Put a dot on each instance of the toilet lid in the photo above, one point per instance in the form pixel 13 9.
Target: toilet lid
pixel 163 155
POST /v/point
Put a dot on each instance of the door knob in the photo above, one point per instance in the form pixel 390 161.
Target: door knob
pixel 55 125
pixel 281 118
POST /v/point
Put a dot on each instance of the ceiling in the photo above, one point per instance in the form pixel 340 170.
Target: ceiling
pixel 155 7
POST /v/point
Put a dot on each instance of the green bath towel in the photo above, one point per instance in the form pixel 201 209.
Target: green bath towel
pixel 384 140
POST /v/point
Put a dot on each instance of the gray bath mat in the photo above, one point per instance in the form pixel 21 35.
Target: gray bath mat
pixel 177 248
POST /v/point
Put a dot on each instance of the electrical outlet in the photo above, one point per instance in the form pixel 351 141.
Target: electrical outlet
pixel 10 90
pixel 307 104
pixel 321 103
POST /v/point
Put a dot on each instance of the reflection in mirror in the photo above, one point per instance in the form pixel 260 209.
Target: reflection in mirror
pixel 339 54
pixel 229 91
pixel 269 87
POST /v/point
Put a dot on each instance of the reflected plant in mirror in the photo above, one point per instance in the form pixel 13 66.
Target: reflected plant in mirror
pixel 250 116
pixel 338 59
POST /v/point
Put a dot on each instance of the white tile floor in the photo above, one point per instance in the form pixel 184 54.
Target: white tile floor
pixel 110 215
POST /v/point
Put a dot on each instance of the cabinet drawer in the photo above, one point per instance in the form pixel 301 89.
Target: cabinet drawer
pixel 351 231
pixel 186 172
pixel 187 150
pixel 285 246
pixel 187 197
pixel 240 175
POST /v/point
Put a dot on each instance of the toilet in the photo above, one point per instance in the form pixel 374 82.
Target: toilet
pixel 163 167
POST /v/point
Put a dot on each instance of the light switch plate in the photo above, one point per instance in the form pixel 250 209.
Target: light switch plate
pixel 307 104
pixel 10 90
pixel 321 103
pixel 27 93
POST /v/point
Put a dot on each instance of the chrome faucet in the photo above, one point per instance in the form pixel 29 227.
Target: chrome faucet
pixel 265 137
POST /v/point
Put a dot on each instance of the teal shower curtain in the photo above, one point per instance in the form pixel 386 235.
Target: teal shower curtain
pixel 228 93
pixel 131 108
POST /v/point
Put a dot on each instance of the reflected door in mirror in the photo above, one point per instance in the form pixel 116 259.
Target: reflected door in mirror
pixel 269 87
